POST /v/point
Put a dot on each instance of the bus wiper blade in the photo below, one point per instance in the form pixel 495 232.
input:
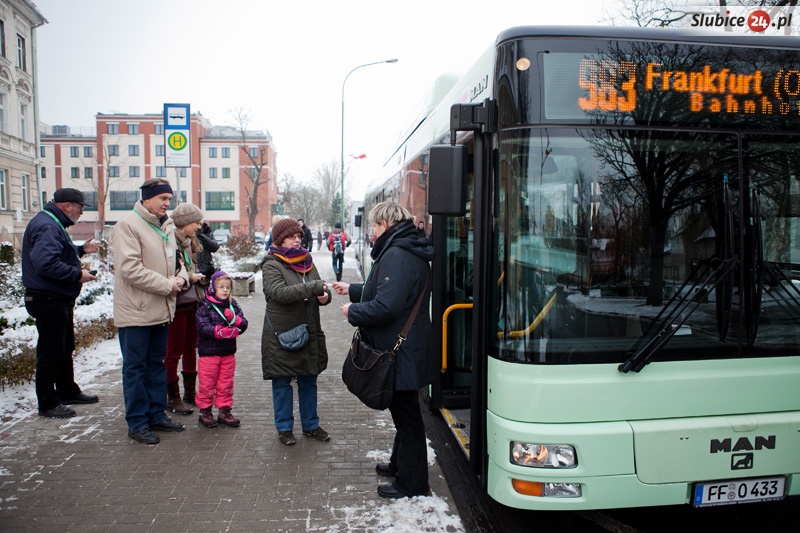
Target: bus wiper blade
pixel 638 360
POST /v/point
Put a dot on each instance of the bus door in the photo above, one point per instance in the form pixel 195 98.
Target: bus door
pixel 452 302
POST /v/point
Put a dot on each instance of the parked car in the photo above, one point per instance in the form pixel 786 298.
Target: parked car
pixel 222 235
pixel 261 237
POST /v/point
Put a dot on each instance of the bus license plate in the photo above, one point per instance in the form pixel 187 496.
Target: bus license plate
pixel 765 489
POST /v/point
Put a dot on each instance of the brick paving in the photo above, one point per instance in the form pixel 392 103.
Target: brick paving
pixel 86 474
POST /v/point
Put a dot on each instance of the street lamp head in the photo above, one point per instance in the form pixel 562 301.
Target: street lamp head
pixel 391 61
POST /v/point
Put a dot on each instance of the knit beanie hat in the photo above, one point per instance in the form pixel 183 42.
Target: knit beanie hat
pixel 285 228
pixel 185 214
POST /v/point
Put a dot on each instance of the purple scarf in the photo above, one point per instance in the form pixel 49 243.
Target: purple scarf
pixel 298 259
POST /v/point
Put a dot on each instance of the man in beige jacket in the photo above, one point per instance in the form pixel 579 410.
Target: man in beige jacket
pixel 147 279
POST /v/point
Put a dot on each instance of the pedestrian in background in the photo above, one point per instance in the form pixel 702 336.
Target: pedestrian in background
pixel 275 220
pixel 380 307
pixel 205 261
pixel 145 289
pixel 294 291
pixel 319 240
pixel 53 277
pixel 337 244
pixel 308 238
pixel 182 337
pixel 219 322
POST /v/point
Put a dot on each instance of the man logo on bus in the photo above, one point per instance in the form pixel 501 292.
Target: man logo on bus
pixel 742 461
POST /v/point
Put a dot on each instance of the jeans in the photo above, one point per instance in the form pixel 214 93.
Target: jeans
pixel 282 402
pixel 55 374
pixel 144 376
pixel 410 450
pixel 338 262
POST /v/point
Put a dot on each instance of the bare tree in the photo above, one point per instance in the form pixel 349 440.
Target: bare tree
pixel 327 180
pixel 256 151
pixel 107 174
pixel 307 203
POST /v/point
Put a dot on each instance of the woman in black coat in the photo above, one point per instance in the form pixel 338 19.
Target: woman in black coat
pixel 380 307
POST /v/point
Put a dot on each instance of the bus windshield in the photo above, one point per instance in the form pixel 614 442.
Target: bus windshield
pixel 668 244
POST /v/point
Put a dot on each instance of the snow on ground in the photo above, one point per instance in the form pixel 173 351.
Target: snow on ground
pixel 421 513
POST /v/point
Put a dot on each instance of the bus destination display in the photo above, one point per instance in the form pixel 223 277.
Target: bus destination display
pixel 674 91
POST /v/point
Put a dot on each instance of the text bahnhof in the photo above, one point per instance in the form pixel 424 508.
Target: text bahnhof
pixel 720 91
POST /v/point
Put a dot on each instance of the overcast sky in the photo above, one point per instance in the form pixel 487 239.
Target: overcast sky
pixel 284 61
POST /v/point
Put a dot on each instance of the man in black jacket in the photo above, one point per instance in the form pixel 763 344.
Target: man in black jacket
pixel 53 276
pixel 308 239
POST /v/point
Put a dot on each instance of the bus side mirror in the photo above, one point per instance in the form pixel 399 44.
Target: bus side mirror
pixel 447 180
pixel 357 222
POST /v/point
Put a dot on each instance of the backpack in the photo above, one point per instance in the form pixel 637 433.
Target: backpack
pixel 337 244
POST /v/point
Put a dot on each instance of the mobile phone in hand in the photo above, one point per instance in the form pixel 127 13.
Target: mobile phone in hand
pixel 93 272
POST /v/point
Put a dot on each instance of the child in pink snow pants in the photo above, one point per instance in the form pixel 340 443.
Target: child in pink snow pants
pixel 219 322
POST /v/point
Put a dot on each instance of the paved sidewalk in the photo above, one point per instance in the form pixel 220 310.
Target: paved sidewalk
pixel 86 474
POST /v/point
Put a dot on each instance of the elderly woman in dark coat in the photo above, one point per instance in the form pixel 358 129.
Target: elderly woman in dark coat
pixel 294 292
pixel 381 307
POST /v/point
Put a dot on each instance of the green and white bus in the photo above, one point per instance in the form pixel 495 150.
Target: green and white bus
pixel 616 218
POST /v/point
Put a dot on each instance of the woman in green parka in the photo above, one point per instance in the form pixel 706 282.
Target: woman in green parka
pixel 294 292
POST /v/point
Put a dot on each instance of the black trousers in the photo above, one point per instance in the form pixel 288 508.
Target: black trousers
pixel 55 376
pixel 410 450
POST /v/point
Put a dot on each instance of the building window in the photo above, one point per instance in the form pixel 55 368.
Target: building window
pixel 3 189
pixel 160 128
pixel 173 201
pixel 22 59
pixel 113 149
pixel 253 173
pixel 23 122
pixel 73 151
pixel 181 172
pixel 113 171
pixel 89 201
pixel 113 128
pixel 133 171
pixel 88 173
pixel 2 38
pixel 219 201
pixel 87 151
pixel 212 172
pixel 253 152
pixel 220 225
pixel 159 150
pixel 212 151
pixel 74 172
pixel 123 199
pixel 2 112
pixel 41 151
pixel 26 193
pixel 226 172
pixel 161 172
pixel 226 152
pixel 133 149
pixel 43 172
pixel 133 129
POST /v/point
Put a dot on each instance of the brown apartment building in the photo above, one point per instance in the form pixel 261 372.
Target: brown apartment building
pixel 124 150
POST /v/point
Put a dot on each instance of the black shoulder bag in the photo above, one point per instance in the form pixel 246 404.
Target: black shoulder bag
pixel 369 372
pixel 294 339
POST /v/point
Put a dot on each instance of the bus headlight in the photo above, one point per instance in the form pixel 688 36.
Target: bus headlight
pixel 543 455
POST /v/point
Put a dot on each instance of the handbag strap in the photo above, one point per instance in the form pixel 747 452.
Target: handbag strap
pixel 404 334
pixel 266 314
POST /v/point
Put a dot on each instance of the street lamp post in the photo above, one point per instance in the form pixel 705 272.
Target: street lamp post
pixel 341 160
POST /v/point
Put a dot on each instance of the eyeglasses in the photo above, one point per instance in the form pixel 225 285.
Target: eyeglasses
pixel 80 206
